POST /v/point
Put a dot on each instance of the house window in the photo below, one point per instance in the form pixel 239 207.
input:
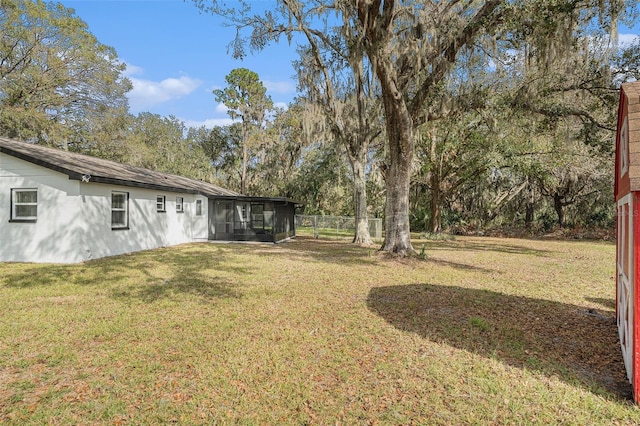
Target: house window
pixel 119 210
pixel 198 207
pixel 179 204
pixel 624 147
pixel 161 203
pixel 24 205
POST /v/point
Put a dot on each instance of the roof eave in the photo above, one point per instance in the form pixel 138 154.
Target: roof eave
pixel 22 156
pixel 252 198
pixel 135 184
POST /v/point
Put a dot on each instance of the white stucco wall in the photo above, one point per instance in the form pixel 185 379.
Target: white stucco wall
pixel 74 218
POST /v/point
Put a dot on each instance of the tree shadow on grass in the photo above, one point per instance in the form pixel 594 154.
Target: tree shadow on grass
pixel 187 273
pixel 46 275
pixel 607 303
pixel 332 251
pixel 148 275
pixel 344 253
pixel 574 343
pixel 458 265
pixel 208 289
pixel 485 245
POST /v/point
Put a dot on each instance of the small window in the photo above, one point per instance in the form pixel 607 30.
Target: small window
pixel 161 202
pixel 179 204
pixel 624 147
pixel 24 205
pixel 119 210
pixel 198 207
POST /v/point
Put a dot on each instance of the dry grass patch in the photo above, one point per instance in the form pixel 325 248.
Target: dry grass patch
pixel 484 331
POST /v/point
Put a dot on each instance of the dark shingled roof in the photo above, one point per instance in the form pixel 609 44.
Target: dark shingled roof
pixel 78 166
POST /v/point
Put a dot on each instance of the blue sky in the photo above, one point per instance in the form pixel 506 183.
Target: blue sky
pixel 176 56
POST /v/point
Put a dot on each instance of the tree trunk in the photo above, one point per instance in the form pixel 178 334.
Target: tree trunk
pixel 398 182
pixel 435 206
pixel 530 209
pixel 362 235
pixel 243 179
pixel 559 208
pixel 401 148
pixel 435 211
pixel 397 231
pixel 245 155
pixel 529 215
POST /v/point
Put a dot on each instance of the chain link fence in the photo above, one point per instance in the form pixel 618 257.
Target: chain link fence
pixel 336 227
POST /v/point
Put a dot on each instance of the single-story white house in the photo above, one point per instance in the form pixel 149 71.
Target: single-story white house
pixel 62 207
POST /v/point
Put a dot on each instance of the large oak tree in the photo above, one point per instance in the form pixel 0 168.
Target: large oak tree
pixel 58 84
pixel 412 47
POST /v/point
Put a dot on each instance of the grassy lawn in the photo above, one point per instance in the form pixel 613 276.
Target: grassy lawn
pixel 484 331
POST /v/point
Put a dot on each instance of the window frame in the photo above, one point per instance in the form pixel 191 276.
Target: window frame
pixel 624 147
pixel 199 207
pixel 179 204
pixel 161 203
pixel 125 209
pixel 14 217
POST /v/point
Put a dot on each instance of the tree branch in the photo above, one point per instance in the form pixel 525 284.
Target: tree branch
pixel 485 17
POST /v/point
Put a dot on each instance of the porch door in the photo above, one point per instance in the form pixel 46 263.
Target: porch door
pixel 224 220
pixel 625 290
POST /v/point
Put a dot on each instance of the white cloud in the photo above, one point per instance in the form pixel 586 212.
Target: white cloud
pixel 282 105
pixel 221 108
pixel 132 70
pixel 627 39
pixel 281 87
pixel 209 123
pixel 147 93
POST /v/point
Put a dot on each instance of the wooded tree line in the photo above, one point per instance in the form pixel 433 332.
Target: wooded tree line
pixel 442 116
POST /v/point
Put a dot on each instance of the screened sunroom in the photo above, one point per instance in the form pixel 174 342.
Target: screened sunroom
pixel 252 219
